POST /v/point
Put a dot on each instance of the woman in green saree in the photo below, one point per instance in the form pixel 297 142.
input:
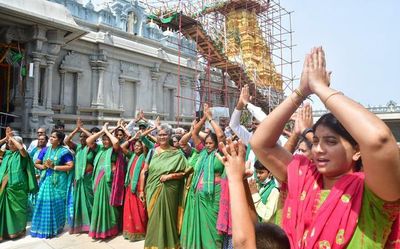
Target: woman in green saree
pixel 164 191
pixel 17 178
pixel 199 229
pixel 83 192
pixel 105 217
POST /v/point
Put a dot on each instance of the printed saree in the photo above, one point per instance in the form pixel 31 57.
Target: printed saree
pixel 347 216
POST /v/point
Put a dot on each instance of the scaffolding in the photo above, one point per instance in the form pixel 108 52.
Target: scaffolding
pixel 244 41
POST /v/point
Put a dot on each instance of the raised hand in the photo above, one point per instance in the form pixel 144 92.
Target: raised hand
pixel 194 122
pixel 105 126
pixel 316 68
pixel 137 135
pixel 141 114
pixel 304 86
pixel 305 118
pixel 233 159
pixel 79 123
pixel 207 112
pixel 244 97
pixel 9 132
pixel 157 123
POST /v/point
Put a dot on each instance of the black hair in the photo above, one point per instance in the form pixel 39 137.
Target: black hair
pixel 94 130
pixel 330 121
pixel 258 165
pixel 119 129
pixel 213 137
pixel 271 236
pixel 58 125
pixel 306 141
pixel 60 135
pixel 45 137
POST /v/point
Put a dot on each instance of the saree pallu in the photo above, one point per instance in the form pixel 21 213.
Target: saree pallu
pixel 49 215
pixel 32 196
pixel 17 178
pixel 199 229
pixel 83 192
pixel 117 187
pixel 164 200
pixel 135 215
pixel 104 219
pixel 200 220
pixel 349 215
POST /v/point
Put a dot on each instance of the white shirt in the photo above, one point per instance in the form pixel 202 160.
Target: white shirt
pixel 246 135
pixel 266 211
pixel 34 143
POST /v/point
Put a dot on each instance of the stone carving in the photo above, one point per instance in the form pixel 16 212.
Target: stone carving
pixel 72 62
pixel 10 33
pixel 129 69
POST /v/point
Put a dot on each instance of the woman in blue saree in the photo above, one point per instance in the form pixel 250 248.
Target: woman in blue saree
pixel 56 162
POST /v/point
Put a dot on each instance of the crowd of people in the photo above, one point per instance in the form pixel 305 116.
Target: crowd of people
pixel 329 184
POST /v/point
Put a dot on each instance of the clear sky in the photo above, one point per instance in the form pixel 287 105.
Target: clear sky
pixel 361 39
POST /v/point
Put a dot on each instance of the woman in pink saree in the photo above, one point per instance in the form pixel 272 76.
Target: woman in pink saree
pixel 328 202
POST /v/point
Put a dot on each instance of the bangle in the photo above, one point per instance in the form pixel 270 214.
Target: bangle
pixel 55 168
pixel 306 130
pixel 299 93
pixel 332 94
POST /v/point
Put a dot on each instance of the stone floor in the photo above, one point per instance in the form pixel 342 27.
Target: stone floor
pixel 68 241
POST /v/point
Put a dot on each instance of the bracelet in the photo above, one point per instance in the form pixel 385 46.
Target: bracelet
pixel 299 93
pixel 332 94
pixel 55 168
pixel 306 130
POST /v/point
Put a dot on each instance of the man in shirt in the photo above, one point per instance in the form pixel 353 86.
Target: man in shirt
pixel 40 132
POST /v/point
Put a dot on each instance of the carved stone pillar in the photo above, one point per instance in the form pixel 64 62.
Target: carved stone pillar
pixel 121 91
pixel 154 78
pixel 93 84
pixel 62 88
pixel 49 69
pixel 36 77
pixel 155 75
pixel 100 89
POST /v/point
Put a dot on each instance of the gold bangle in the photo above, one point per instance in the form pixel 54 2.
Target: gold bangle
pixel 332 94
pixel 299 93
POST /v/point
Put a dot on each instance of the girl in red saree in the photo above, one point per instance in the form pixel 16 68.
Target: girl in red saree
pixel 135 215
pixel 328 202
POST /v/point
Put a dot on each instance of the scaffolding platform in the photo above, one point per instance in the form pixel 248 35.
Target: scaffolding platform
pixel 244 39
